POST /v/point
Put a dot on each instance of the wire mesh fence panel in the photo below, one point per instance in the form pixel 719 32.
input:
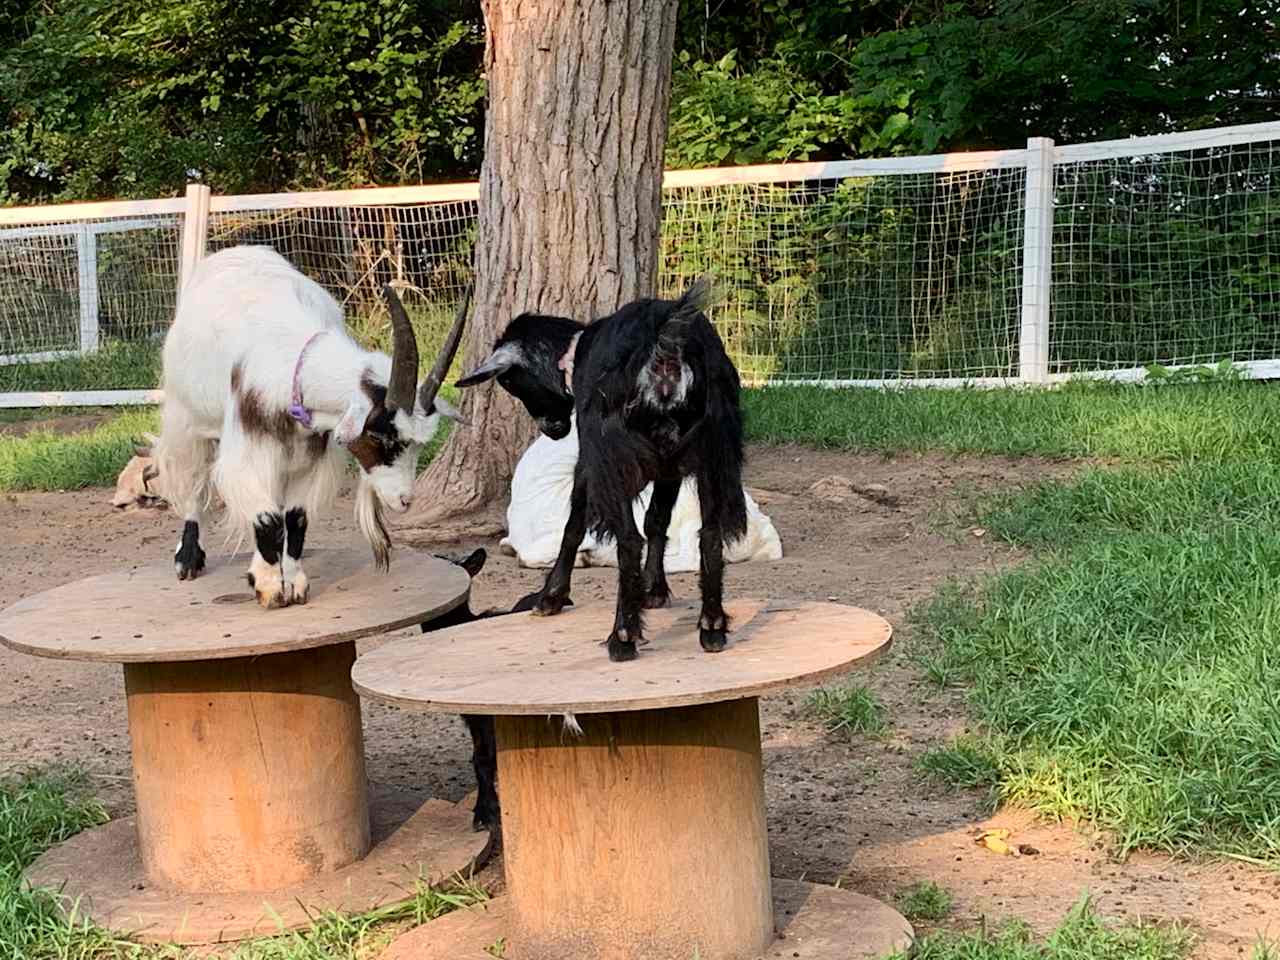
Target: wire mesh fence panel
pixel 885 277
pixel 424 250
pixel 39 291
pixel 84 305
pixel 1167 258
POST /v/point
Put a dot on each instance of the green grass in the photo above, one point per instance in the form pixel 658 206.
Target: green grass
pixel 1083 935
pixel 1128 677
pixel 849 709
pixel 1221 421
pixel 118 365
pixel 46 461
pixel 40 809
pixel 924 901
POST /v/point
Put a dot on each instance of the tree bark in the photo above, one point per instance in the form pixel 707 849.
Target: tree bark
pixel 570 203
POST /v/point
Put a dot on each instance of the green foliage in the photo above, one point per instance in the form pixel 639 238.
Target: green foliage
pixel 131 99
pixel 119 99
pixel 850 709
pixel 924 901
pixel 1082 936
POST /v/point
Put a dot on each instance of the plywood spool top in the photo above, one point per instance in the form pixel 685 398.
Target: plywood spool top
pixel 146 615
pixel 521 664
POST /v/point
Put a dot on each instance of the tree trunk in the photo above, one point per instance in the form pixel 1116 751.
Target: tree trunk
pixel 570 202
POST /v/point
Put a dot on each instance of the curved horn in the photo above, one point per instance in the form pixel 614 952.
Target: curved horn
pixel 431 385
pixel 404 355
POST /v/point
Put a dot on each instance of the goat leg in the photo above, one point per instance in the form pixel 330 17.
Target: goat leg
pixel 555 591
pixel 265 575
pixel 484 759
pixel 713 623
pixel 656 521
pixel 628 624
pixel 296 589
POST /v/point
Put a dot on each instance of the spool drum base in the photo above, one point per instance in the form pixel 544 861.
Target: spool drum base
pixel 813 923
pixel 102 870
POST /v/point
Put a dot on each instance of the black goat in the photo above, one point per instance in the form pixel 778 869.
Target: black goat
pixel 656 399
pixel 484 747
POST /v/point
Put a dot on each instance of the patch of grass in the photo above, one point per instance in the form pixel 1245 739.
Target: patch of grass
pixel 924 901
pixel 1082 936
pixel 47 461
pixel 964 762
pixel 848 709
pixel 1131 677
pixel 1219 421
pixel 40 809
pixel 118 365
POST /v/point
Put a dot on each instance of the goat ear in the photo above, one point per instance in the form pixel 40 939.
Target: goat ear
pixel 351 425
pixel 500 361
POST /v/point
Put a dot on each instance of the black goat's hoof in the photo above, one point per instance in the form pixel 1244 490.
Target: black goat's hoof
pixel 620 651
pixel 713 641
pixel 656 599
pixel 549 604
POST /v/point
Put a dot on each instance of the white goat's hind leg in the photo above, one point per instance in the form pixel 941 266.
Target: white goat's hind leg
pixel 184 458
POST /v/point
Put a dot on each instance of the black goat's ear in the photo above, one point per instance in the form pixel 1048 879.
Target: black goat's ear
pixel 475 562
pixel 500 361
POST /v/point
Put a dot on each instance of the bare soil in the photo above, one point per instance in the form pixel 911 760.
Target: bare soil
pixel 852 811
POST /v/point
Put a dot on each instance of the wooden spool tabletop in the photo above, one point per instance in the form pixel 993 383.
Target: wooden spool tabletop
pixel 146 615
pixel 526 665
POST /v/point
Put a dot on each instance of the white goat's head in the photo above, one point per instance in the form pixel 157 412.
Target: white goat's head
pixel 385 427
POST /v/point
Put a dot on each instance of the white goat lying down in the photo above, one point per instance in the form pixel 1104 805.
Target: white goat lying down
pixel 259 359
pixel 539 509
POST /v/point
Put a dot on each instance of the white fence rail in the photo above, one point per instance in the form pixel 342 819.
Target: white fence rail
pixel 987 268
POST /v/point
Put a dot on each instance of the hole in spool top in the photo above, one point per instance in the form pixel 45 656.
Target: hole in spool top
pixel 234 598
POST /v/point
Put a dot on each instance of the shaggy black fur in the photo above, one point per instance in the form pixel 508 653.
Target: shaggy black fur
pixel 484 748
pixel 657 400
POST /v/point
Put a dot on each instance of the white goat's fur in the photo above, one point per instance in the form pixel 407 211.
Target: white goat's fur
pixel 248 309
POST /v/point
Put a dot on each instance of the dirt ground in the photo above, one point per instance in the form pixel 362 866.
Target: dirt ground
pixel 840 811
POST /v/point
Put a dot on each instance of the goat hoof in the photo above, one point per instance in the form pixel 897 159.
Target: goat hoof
pixel 189 564
pixel 271 600
pixel 549 604
pixel 657 599
pixel 620 651
pixel 713 641
pixel 299 591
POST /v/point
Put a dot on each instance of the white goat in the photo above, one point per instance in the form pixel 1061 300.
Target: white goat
pixel 259 360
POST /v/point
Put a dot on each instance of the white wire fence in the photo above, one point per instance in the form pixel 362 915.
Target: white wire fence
pixel 989 268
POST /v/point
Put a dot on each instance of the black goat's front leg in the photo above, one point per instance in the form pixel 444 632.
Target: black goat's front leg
pixel 484 759
pixel 628 623
pixel 656 521
pixel 555 591
pixel 713 623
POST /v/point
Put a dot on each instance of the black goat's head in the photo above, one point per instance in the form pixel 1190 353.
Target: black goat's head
pixel 527 361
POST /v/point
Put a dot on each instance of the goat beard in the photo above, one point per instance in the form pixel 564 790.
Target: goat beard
pixel 369 518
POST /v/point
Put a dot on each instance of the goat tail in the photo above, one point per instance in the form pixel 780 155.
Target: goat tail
pixel 674 329
pixel 369 518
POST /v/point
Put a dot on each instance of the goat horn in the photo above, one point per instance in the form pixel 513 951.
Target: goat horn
pixel 404 355
pixel 431 385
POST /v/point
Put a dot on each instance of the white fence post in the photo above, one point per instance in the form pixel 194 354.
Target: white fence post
pixel 195 230
pixel 1037 263
pixel 87 268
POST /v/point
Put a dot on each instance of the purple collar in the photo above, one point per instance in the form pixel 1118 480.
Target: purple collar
pixel 296 409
